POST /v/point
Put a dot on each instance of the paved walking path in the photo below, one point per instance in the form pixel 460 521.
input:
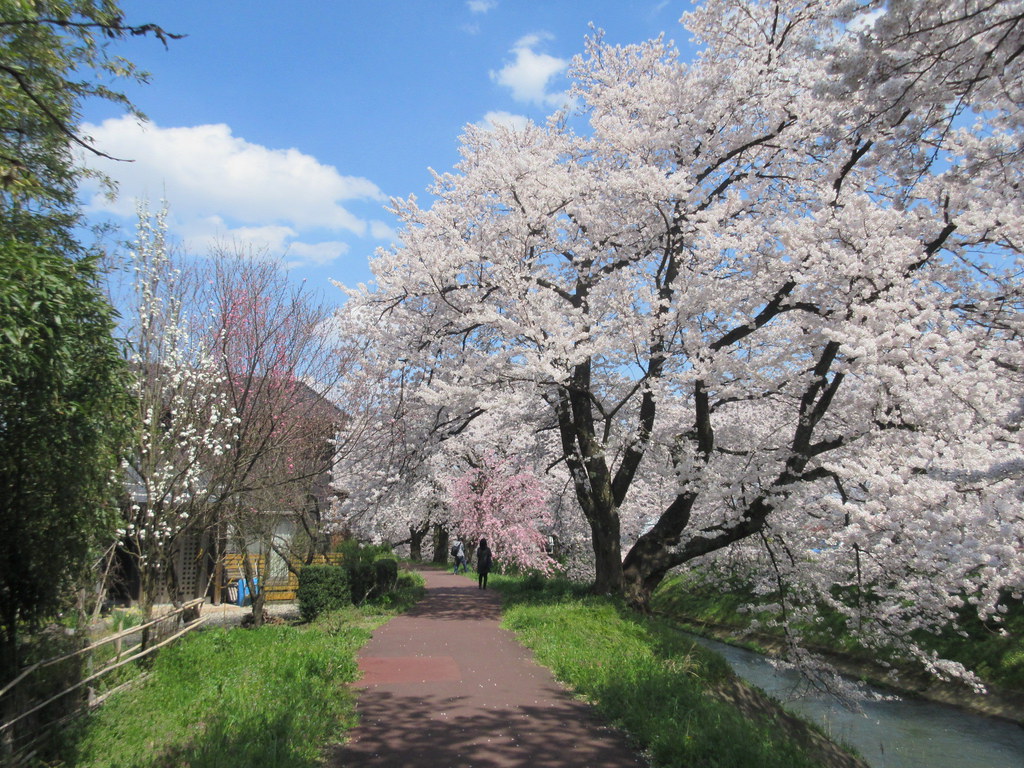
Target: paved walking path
pixel 444 686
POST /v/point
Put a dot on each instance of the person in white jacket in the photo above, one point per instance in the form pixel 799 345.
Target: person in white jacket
pixel 459 551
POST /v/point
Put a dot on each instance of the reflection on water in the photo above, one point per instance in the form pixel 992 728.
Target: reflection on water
pixel 907 733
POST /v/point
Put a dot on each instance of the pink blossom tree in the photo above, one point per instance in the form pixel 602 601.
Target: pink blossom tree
pixel 503 501
pixel 235 381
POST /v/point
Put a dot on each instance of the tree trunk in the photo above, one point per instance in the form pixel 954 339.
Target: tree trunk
pixel 440 545
pixel 416 536
pixel 604 534
pixel 148 586
pixel 593 481
pixel 651 558
pixel 259 596
pixel 9 645
pixel 640 585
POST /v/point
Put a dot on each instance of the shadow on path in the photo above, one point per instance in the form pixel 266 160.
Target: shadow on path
pixel 445 686
pixel 444 731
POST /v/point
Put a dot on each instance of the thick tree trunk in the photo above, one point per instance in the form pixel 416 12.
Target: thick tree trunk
pixel 651 557
pixel 639 584
pixel 608 578
pixel 440 545
pixel 599 491
pixel 416 536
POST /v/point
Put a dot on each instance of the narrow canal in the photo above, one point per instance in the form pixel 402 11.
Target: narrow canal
pixel 907 733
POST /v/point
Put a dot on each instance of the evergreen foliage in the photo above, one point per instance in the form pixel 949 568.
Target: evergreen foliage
pixel 366 578
pixel 322 588
pixel 63 406
pixel 53 57
pixel 63 401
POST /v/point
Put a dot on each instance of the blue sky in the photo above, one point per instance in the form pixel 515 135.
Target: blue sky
pixel 290 125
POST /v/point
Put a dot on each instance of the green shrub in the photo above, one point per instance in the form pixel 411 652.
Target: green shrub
pixel 367 579
pixel 352 550
pixel 322 588
pixel 360 580
pixel 385 575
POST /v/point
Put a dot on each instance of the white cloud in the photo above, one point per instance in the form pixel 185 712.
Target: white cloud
pixel 493 119
pixel 220 186
pixel 209 233
pixel 530 74
pixel 481 6
pixel 380 230
pixel 316 253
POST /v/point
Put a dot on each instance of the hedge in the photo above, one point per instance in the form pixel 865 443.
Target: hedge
pixel 322 588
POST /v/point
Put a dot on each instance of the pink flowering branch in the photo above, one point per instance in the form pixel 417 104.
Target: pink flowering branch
pixel 506 503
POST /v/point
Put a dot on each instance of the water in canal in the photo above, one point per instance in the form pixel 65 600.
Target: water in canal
pixel 907 733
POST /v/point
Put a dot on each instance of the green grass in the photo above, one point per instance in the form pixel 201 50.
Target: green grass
pixel 997 658
pixel 644 676
pixel 236 698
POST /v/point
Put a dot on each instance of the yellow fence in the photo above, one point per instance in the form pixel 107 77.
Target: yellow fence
pixel 280 588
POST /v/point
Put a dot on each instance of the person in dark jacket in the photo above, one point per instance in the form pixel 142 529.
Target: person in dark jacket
pixel 483 563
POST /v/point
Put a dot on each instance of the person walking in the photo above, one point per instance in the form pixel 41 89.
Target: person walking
pixel 484 558
pixel 459 552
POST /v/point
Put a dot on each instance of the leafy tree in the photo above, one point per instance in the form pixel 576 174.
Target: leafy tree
pixel 61 383
pixel 781 298
pixel 63 406
pixel 53 56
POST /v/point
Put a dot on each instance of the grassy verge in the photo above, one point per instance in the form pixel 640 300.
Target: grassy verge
pixel 234 698
pixel 997 658
pixel 645 677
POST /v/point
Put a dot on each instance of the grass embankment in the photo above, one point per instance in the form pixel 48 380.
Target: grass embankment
pixel 998 658
pixel 661 688
pixel 236 698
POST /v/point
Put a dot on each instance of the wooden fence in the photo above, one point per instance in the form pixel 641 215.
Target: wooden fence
pixel 29 715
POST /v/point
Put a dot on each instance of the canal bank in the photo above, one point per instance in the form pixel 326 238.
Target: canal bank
pixel 890 733
pixel 996 703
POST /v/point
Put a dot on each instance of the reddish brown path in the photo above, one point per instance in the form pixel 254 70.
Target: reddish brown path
pixel 445 687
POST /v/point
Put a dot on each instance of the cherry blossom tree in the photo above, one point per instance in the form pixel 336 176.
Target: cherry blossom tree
pixel 395 485
pixel 506 503
pixel 390 479
pixel 777 287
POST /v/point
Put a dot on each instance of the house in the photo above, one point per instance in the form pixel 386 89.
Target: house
pixel 269 513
